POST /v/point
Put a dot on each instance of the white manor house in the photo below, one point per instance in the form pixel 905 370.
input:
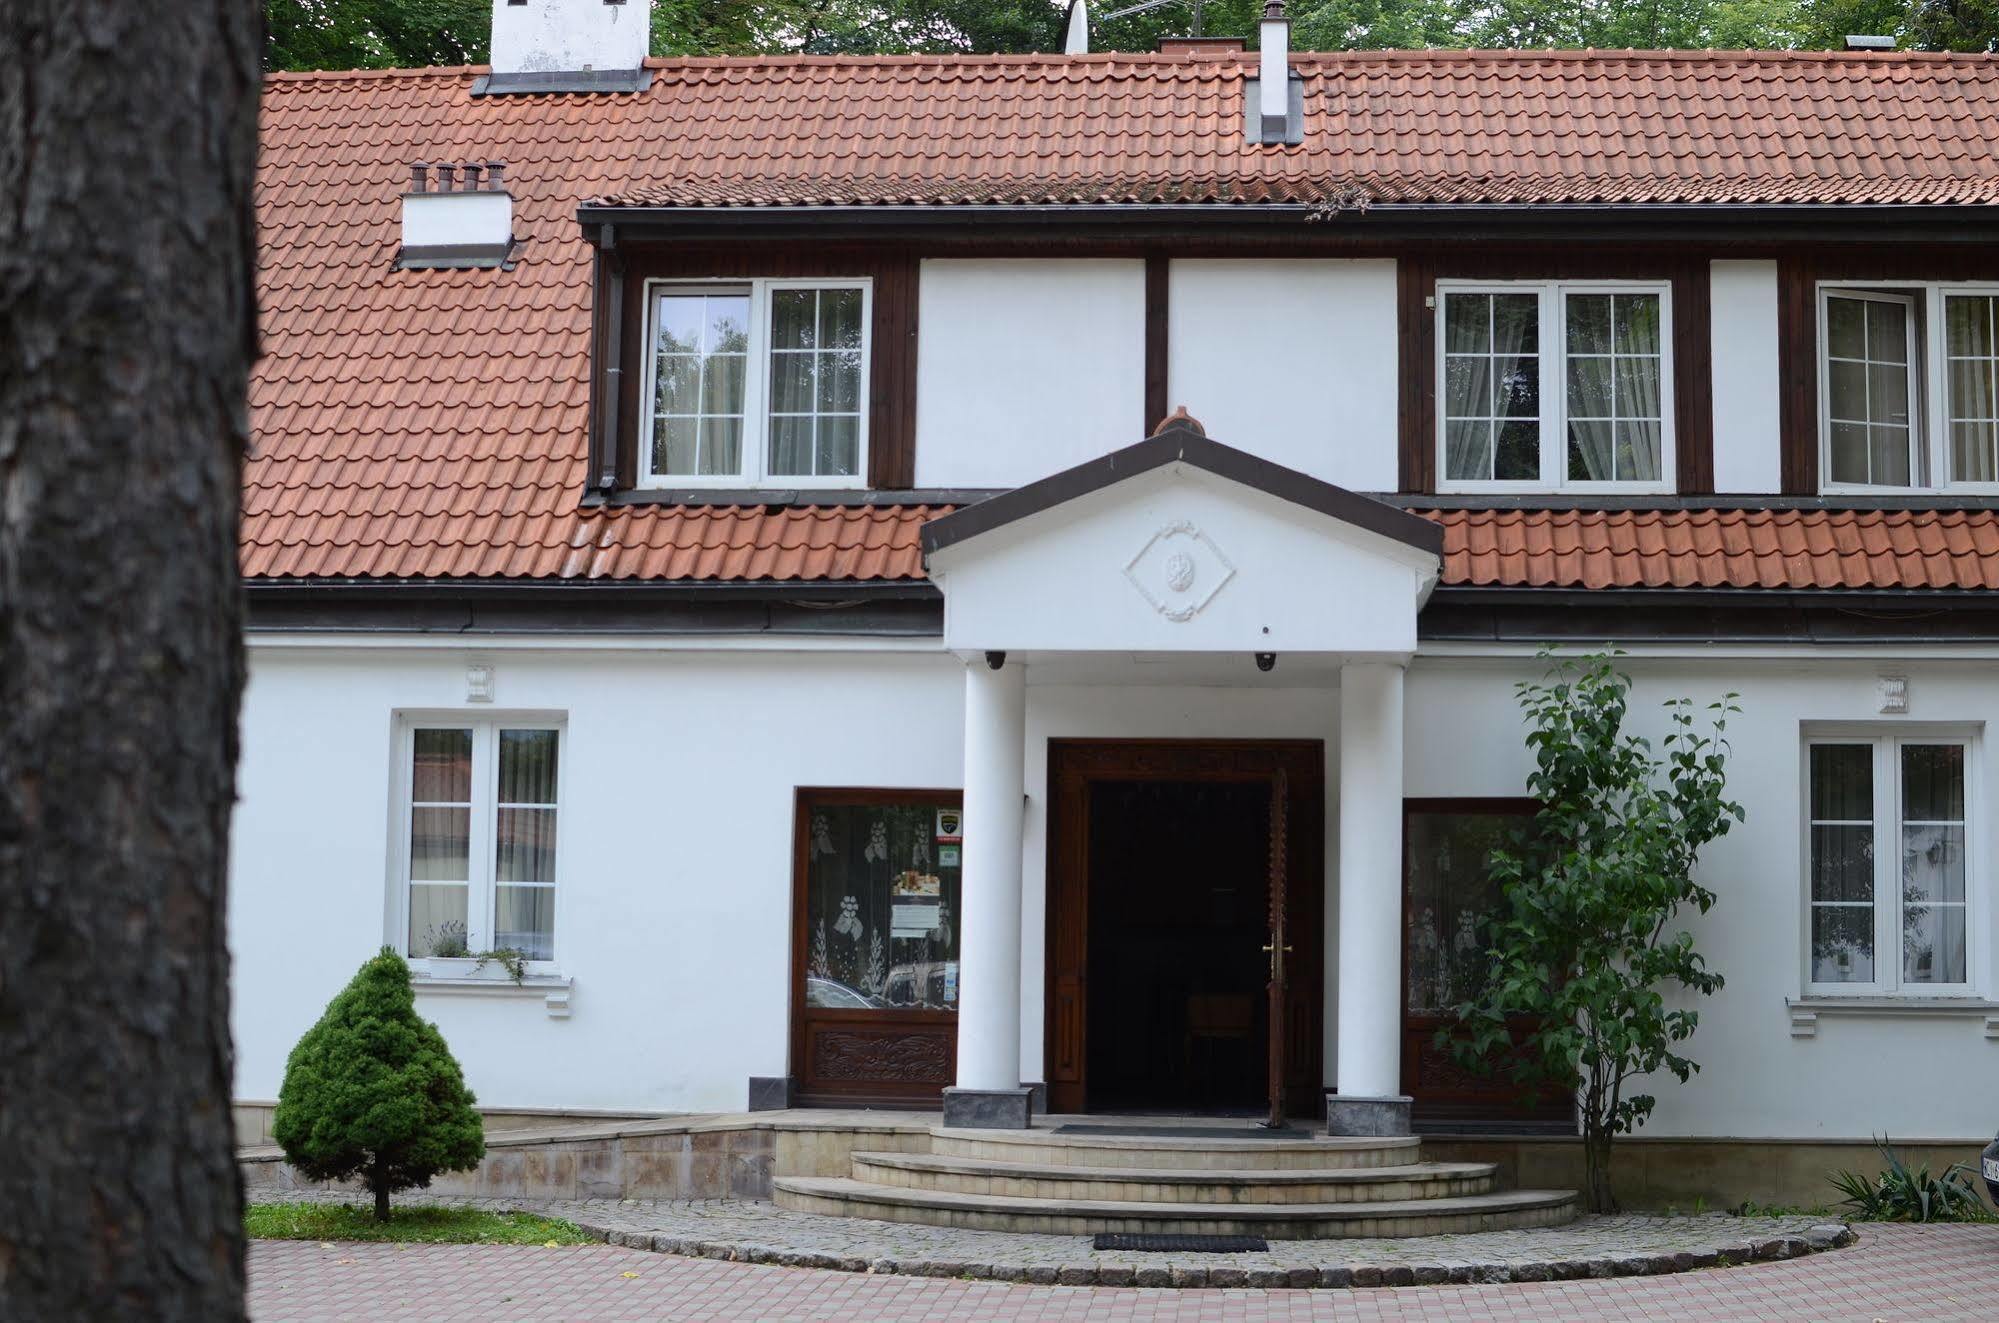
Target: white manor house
pixel 896 581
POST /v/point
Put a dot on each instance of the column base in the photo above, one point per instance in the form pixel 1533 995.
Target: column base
pixel 770 1093
pixel 1354 1117
pixel 988 1109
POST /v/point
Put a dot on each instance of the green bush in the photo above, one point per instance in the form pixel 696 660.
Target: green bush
pixel 372 1092
pixel 1901 1195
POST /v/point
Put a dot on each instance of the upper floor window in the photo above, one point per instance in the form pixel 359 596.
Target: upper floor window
pixel 1889 896
pixel 479 804
pixel 756 382
pixel 1555 386
pixel 1908 397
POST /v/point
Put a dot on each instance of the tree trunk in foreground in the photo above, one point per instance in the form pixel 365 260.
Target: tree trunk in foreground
pixel 127 144
pixel 381 1202
pixel 1596 1170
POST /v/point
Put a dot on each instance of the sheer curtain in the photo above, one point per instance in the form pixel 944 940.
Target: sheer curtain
pixel 1972 347
pixel 1612 373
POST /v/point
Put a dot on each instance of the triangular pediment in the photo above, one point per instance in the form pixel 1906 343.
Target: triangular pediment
pixel 1183 544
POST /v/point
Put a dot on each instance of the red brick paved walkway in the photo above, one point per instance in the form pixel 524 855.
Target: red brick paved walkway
pixel 1894 1274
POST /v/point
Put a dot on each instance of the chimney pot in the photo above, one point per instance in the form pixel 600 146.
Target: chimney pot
pixel 419 178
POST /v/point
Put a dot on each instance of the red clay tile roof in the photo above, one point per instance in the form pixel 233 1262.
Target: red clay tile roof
pixel 413 424
pixel 1781 549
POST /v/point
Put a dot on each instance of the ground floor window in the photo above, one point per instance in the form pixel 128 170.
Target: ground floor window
pixel 876 897
pixel 478 804
pixel 1889 894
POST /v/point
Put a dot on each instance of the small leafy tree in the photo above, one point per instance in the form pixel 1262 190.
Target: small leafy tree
pixel 1582 945
pixel 372 1091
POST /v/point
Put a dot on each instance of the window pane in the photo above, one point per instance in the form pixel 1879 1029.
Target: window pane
pixel 1888 393
pixel 675 442
pixel 1933 783
pixel 1637 387
pixel 440 844
pixel 791 386
pixel 1843 783
pixel 1843 864
pixel 1849 452
pixel 527 766
pixel 791 445
pixel 1468 450
pixel 1933 944
pixel 1971 393
pixel 722 385
pixel 525 846
pixel 1639 451
pixel 1467 323
pixel 1932 865
pixel 882 902
pixel 1974 452
pixel 1887 331
pixel 1846 327
pixel 1518 387
pixel 678 321
pixel 1842 944
pixel 1846 385
pixel 1968 326
pixel 838 446
pixel 442 772
pixel 1516 323
pixel 1888 455
pixel 1589 324
pixel 1590 387
pixel 721 446
pixel 1449 893
pixel 437 920
pixel 793 316
pixel 1467 387
pixel 1636 323
pixel 524 921
pixel 1517 457
pixel 840 381
pixel 840 319
pixel 677 384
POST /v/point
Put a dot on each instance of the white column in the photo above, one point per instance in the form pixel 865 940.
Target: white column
pixel 1370 979
pixel 989 923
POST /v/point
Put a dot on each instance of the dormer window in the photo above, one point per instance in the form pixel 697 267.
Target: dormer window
pixel 756 383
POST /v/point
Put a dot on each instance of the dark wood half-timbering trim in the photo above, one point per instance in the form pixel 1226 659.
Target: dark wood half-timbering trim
pixel 1798 277
pixel 892 348
pixel 1158 286
pixel 1416 332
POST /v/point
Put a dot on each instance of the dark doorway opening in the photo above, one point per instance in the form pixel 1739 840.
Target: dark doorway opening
pixel 1179 911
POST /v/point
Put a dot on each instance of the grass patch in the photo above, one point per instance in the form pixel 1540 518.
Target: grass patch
pixel 428 1223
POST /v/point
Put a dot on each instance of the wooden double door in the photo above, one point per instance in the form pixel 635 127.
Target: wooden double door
pixel 1186 884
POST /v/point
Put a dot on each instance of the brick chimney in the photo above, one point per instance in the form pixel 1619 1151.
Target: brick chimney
pixel 568 46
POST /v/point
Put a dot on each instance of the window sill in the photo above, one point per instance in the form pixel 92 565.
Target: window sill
pixel 1805 1011
pixel 553 989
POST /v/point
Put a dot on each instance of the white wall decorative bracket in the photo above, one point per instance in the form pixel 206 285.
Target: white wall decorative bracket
pixel 1893 691
pixel 479 683
pixel 1804 1023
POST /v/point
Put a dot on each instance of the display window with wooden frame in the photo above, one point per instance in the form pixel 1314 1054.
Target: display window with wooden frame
pixel 875 895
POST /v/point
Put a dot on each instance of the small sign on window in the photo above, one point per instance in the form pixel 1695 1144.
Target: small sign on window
pixel 950 826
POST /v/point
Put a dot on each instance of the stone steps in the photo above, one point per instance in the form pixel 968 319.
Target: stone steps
pixel 1304 1185
pixel 1046 1147
pixel 846 1197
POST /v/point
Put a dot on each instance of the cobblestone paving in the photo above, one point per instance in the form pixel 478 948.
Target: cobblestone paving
pixel 1594 1247
pixel 1942 1274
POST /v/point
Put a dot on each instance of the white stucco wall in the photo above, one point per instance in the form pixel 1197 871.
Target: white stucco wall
pixel 1913 1078
pixel 1025 367
pixel 674 904
pixel 1293 360
pixel 1743 299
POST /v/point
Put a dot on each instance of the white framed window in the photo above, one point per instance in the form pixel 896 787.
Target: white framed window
pixel 1908 386
pixel 1891 887
pixel 753 383
pixel 477 807
pixel 1554 386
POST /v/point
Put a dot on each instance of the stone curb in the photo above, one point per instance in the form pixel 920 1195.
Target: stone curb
pixel 1829 1236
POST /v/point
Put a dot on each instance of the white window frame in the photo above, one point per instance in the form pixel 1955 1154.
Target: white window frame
pixel 754 472
pixel 1929 387
pixel 1887 827
pixel 1555 388
pixel 481 896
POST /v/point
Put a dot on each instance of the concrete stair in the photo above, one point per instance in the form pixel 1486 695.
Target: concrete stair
pixel 1079 1184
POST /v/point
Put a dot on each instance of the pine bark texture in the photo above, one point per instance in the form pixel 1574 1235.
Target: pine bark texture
pixel 127 325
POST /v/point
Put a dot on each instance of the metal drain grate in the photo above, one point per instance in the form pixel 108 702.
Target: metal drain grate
pixel 1112 1240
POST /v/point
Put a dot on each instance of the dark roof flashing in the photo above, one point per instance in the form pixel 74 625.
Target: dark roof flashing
pixel 556 82
pixel 1181 440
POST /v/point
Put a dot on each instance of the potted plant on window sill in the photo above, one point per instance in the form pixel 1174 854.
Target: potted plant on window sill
pixel 449 956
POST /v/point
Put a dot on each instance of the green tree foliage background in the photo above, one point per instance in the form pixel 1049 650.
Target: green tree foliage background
pixel 375 34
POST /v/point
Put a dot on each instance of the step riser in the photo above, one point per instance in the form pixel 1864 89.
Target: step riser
pixel 1109 1188
pixel 1250 1155
pixel 1074 1225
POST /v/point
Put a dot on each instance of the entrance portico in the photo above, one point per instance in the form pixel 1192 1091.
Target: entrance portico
pixel 1182 560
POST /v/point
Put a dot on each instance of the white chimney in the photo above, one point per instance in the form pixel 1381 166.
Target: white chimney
pixel 457 215
pixel 1077 39
pixel 1275 111
pixel 568 46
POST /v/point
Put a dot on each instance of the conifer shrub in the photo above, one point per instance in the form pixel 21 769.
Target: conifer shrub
pixel 372 1093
